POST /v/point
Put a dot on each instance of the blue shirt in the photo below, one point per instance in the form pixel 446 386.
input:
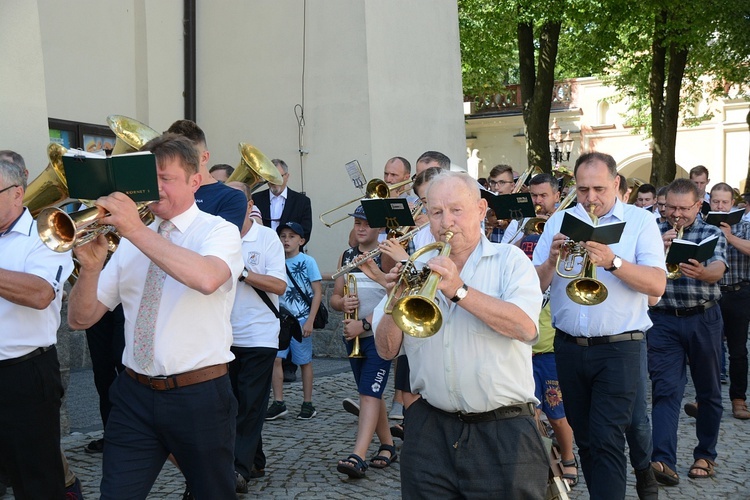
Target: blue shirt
pixel 625 309
pixel 305 271
pixel 219 199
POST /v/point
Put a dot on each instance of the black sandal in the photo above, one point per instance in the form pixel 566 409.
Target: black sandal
pixel 380 458
pixel 353 466
pixel 572 479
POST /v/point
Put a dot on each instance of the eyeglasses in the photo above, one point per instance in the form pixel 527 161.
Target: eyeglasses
pixel 9 187
pixel 502 183
pixel 680 209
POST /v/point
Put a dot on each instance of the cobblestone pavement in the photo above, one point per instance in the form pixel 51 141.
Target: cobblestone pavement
pixel 302 455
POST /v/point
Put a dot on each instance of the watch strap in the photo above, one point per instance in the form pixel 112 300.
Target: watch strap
pixel 460 295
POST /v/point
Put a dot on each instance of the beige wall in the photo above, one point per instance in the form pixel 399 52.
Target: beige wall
pixel 382 78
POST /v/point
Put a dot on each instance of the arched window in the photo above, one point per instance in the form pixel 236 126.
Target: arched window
pixel 603 112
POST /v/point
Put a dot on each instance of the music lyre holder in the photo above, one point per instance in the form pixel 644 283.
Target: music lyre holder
pixel 356 174
pixel 390 213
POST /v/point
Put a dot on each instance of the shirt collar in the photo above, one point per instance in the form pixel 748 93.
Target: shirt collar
pixel 617 211
pixel 282 195
pixel 252 233
pixel 22 224
pixel 183 220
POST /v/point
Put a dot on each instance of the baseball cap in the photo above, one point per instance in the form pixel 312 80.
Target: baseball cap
pixel 359 213
pixel 294 226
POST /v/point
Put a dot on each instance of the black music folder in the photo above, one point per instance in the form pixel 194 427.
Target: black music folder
pixel 387 212
pixel 510 206
pixel 91 176
pixel 732 217
pixel 580 230
pixel 682 250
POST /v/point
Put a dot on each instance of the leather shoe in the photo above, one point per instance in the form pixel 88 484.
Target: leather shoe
pixel 739 409
pixel 240 483
pixel 691 409
pixel 646 485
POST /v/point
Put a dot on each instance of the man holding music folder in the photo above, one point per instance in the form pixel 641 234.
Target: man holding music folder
pixel 598 348
pixel 687 326
pixel 177 287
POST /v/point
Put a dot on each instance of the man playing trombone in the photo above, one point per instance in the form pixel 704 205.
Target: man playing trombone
pixel 472 432
pixel 598 347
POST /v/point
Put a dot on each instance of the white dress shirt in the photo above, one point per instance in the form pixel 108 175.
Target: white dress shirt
pixel 624 309
pixel 467 366
pixel 277 207
pixel 192 329
pixel 253 323
pixel 25 329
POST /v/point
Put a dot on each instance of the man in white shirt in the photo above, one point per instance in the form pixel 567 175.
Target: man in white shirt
pixel 31 279
pixel 177 287
pixel 472 432
pixel 255 328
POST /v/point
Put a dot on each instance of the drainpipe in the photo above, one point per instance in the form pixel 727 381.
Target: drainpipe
pixel 189 49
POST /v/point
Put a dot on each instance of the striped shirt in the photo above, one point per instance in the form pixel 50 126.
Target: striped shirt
pixel 738 263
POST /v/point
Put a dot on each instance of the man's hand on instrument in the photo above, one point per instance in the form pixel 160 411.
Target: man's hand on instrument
pixel 667 237
pixel 123 213
pixel 351 303
pixel 599 254
pixel 91 256
pixel 353 328
pixel 392 276
pixel 451 280
pixel 554 249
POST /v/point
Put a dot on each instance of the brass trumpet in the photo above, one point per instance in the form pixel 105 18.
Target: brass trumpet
pixel 350 288
pixel 415 312
pixel 585 289
pixel 376 188
pixel 673 270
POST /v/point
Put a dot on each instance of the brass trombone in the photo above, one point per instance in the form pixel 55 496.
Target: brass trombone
pixel 585 289
pixel 673 270
pixel 350 288
pixel 376 188
pixel 415 311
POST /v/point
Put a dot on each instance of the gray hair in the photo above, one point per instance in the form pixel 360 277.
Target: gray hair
pixel 282 164
pixel 13 157
pixel 12 174
pixel 447 175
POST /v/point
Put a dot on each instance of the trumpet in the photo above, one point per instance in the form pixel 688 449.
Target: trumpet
pixel 585 289
pixel 376 188
pixel 673 270
pixel 415 312
pixel 374 253
pixel 350 288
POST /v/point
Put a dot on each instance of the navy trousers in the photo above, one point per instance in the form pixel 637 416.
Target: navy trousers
pixel 638 434
pixel 195 423
pixel 671 341
pixel 106 341
pixel 600 384
pixel 251 373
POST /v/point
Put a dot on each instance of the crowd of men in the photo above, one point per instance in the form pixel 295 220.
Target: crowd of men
pixel 182 321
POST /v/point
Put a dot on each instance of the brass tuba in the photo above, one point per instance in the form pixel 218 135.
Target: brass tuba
pixel 131 134
pixel 673 270
pixel 254 169
pixel 50 187
pixel 350 288
pixel 585 289
pixel 415 312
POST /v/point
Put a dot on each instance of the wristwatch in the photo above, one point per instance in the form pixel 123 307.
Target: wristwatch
pixel 616 264
pixel 460 293
pixel 243 275
pixel 366 325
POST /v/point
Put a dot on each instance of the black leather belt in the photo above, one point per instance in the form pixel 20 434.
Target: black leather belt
pixel 33 354
pixel 734 288
pixel 606 339
pixel 502 413
pixel 685 311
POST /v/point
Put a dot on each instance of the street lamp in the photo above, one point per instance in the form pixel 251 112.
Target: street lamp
pixel 559 147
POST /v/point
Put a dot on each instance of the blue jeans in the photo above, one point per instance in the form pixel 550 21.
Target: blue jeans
pixel 600 384
pixel 671 341
pixel 195 423
pixel 639 432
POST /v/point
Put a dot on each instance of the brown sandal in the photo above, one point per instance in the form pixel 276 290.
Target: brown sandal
pixel 664 474
pixel 708 469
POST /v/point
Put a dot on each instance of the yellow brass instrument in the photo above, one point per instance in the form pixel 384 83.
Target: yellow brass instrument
pixel 673 270
pixel 255 169
pixel 50 187
pixel 398 232
pixel 376 188
pixel 350 288
pixel 415 312
pixel 634 183
pixel 374 253
pixel 131 134
pixel 531 171
pixel 535 225
pixel 584 289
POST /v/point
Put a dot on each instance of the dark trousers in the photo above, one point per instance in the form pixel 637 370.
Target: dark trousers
pixel 30 396
pixel 445 458
pixel 106 340
pixel 251 373
pixel 671 341
pixel 195 423
pixel 600 384
pixel 638 434
pixel 735 309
